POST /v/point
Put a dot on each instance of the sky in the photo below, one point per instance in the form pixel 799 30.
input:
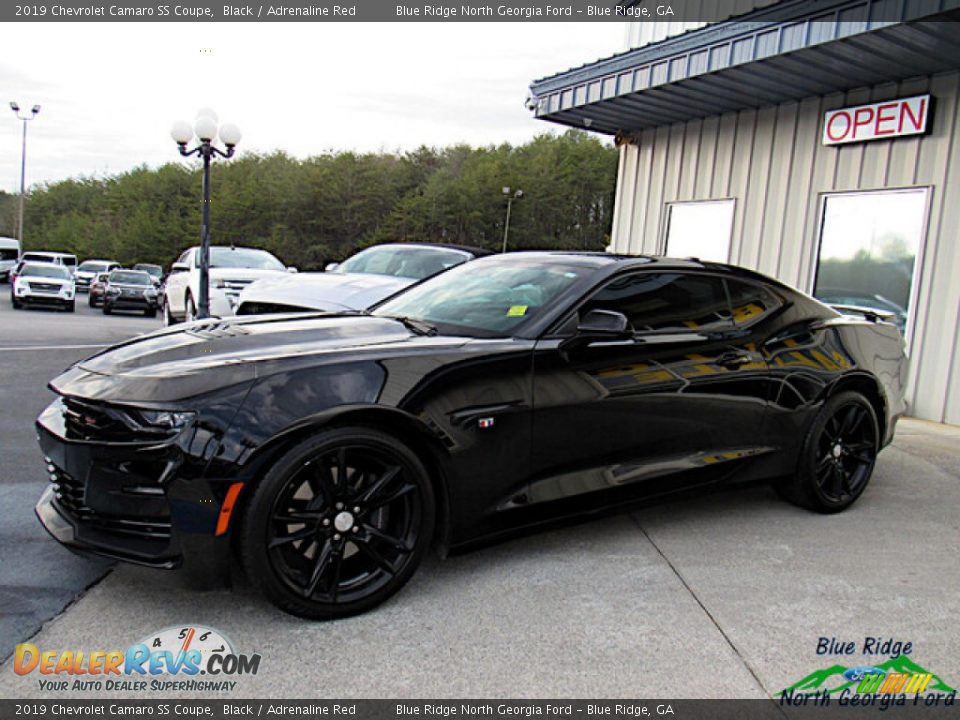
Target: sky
pixel 110 92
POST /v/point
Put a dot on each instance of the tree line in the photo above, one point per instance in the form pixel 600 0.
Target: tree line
pixel 315 210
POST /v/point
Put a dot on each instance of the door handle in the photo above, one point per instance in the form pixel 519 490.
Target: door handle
pixel 736 358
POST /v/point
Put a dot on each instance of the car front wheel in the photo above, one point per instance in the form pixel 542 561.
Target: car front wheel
pixel 339 524
pixel 838 455
pixel 168 318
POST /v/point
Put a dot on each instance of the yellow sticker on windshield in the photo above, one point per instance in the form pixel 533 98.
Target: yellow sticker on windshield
pixel 517 311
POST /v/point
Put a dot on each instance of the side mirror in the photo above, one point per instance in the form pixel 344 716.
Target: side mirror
pixel 291 269
pixel 599 326
pixel 178 267
pixel 331 267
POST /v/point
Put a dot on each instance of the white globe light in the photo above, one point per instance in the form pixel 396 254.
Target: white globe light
pixel 230 134
pixel 181 132
pixel 207 112
pixel 206 128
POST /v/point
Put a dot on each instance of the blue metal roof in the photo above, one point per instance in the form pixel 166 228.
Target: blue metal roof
pixel 787 51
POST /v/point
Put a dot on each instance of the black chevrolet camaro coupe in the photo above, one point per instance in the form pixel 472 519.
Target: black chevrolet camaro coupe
pixel 327 452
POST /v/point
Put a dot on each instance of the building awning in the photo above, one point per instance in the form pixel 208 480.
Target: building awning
pixel 808 48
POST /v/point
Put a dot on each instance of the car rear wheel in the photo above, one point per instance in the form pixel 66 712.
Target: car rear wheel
pixel 838 455
pixel 339 524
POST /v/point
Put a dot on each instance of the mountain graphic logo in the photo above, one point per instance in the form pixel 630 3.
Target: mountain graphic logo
pixel 837 678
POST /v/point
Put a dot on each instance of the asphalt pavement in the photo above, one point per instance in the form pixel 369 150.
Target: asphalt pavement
pixel 724 595
pixel 38 578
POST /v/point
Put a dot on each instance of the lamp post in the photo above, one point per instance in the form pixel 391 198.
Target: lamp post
pixel 23 163
pixel 206 130
pixel 510 195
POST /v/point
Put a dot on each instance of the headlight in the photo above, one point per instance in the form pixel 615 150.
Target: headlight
pixel 164 419
pixel 113 291
pixel 150 292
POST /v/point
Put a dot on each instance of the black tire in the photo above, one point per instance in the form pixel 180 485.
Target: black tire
pixel 17 305
pixel 91 302
pixel 168 318
pixel 150 312
pixel 837 457
pixel 189 309
pixel 360 539
pixel 70 306
pixel 106 308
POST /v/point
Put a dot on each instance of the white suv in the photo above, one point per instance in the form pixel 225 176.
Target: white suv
pixel 41 283
pixel 231 270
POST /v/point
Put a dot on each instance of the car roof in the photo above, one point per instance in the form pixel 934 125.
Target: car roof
pixel 475 251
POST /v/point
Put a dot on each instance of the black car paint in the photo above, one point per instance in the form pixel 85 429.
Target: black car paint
pixel 565 429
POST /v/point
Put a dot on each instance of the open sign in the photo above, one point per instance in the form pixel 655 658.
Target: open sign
pixel 877 121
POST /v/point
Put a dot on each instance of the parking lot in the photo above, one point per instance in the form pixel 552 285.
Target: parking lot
pixel 725 595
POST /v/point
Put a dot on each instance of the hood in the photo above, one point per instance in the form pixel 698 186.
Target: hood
pixel 325 291
pixel 200 357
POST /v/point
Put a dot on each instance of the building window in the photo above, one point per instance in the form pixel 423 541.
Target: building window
pixel 869 244
pixel 700 229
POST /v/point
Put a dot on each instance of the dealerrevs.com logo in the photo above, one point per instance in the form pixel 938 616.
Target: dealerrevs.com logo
pixel 896 680
pixel 190 658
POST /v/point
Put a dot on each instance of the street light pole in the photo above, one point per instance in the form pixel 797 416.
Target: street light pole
pixel 23 163
pixel 206 130
pixel 510 196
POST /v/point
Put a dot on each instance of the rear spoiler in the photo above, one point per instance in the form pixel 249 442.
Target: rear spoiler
pixel 871 314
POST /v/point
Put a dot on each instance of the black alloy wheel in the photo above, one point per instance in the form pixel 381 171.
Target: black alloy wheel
pixel 838 456
pixel 339 524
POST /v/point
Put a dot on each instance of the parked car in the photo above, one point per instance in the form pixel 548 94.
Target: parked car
pixel 67 260
pixel 154 271
pixel 231 270
pixel 357 283
pixel 98 288
pixel 330 451
pixel 9 256
pixel 89 269
pixel 42 283
pixel 857 301
pixel 130 290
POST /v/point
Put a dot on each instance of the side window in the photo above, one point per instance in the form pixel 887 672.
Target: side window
pixel 750 302
pixel 666 301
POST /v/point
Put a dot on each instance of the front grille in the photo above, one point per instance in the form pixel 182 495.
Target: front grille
pixel 265 308
pixel 70 496
pixel 43 287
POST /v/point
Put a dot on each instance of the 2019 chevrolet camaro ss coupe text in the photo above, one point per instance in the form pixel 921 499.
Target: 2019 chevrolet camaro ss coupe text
pixel 329 451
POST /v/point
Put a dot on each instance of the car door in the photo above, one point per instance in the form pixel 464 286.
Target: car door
pixel 176 286
pixel 682 403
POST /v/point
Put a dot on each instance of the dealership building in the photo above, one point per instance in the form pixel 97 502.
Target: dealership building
pixel 817 141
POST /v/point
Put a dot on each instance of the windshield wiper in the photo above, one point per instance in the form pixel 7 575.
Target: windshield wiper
pixel 417 326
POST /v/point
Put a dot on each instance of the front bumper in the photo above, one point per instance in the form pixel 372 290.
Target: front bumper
pixel 32 298
pixel 125 500
pixel 130 303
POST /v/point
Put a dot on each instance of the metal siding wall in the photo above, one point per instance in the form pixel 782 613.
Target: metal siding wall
pixel 772 162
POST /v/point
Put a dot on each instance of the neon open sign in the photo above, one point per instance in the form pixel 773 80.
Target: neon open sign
pixel 877 121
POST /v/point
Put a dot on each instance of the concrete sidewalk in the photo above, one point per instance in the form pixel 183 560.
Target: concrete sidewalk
pixel 721 596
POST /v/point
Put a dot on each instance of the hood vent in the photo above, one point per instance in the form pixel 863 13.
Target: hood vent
pixel 217 329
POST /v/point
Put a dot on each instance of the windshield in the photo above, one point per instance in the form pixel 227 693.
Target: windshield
pixel 406 262
pixel 92 266
pixel 130 277
pixel 224 257
pixel 486 298
pixel 46 270
pixel 152 270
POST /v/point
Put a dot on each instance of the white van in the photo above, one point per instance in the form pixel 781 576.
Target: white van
pixel 9 256
pixel 67 260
